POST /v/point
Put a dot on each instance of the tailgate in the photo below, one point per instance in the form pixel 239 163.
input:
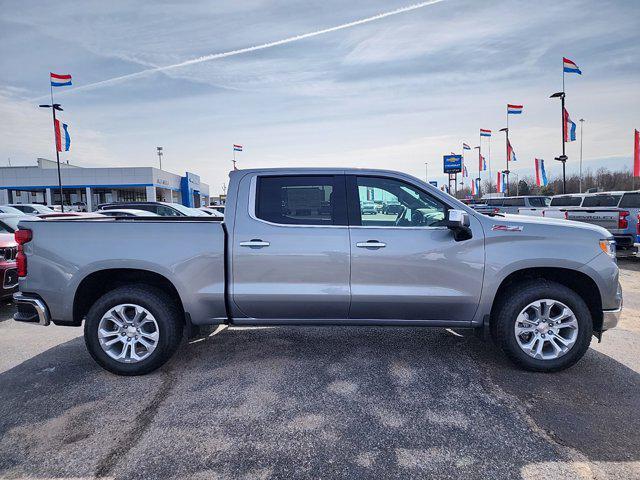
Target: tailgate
pixel 603 218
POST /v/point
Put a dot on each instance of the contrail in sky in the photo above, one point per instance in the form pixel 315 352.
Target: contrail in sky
pixel 240 51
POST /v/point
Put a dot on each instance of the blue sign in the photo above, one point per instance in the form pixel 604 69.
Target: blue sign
pixel 190 186
pixel 434 183
pixel 452 163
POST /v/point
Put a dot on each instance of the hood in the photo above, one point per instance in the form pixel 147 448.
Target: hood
pixel 542 222
pixel 7 240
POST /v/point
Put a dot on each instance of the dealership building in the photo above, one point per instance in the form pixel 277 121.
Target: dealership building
pixel 93 186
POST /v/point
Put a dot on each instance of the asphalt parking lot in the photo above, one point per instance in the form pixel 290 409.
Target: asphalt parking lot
pixel 321 403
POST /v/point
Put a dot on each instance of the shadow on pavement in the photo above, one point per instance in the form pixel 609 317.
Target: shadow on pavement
pixel 315 402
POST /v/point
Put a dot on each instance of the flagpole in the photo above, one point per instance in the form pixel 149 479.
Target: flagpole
pixel 55 145
pixel 489 165
pixel 506 172
pixel 234 158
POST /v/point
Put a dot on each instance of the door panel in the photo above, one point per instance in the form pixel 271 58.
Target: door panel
pixel 415 270
pixel 298 269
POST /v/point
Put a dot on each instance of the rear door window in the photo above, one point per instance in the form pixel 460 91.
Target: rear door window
pixel 538 201
pixel 302 200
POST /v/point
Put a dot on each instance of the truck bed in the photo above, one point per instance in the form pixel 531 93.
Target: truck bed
pixel 187 251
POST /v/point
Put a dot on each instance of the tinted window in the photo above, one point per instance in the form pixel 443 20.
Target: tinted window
pixel 403 204
pixel 514 202
pixel 495 202
pixel 630 200
pixel 569 201
pixel 539 201
pixel 601 201
pixel 302 200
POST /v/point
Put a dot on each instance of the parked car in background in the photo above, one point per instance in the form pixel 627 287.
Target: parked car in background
pixel 368 208
pixel 212 212
pixel 32 208
pixel 164 209
pixel 8 270
pixel 615 211
pixel 514 204
pixel 126 212
pixel 540 287
pixel 479 206
pixel 10 210
pixel 391 208
pixel 219 208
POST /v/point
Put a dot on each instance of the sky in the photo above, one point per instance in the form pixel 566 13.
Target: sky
pixel 395 92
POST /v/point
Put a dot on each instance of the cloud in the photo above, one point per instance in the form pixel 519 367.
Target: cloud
pixel 254 48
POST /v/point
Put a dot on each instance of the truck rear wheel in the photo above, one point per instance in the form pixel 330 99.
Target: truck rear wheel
pixel 543 326
pixel 133 330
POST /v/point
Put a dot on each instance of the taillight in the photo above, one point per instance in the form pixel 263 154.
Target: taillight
pixel 566 215
pixel 496 210
pixel 623 223
pixel 638 225
pixel 22 237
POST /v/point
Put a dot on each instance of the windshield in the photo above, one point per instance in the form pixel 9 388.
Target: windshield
pixel 190 212
pixel 601 201
pixel 43 208
pixel 11 210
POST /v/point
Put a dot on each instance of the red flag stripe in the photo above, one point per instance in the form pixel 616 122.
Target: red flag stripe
pixel 636 154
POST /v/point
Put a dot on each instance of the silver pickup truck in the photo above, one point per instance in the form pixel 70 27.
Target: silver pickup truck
pixel 295 248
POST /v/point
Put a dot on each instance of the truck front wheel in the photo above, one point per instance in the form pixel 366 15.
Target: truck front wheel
pixel 133 330
pixel 543 326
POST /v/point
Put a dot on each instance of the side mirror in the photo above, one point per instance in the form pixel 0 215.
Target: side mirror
pixel 458 222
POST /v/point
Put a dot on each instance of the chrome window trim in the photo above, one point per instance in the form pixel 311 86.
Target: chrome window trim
pixel 253 186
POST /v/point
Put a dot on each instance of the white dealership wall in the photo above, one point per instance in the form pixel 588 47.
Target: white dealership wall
pixel 39 184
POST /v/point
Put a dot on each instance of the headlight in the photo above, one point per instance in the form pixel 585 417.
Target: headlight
pixel 608 247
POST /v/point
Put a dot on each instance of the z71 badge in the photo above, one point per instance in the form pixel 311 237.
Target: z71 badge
pixel 507 228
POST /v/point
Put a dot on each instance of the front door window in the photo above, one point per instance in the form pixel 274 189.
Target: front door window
pixel 387 202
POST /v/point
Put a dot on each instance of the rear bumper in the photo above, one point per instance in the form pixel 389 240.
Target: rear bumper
pixel 31 309
pixel 624 241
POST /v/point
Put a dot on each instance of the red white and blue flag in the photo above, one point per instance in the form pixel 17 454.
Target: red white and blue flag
pixel 541 174
pixel 482 162
pixel 465 172
pixel 569 128
pixel 510 153
pixel 473 187
pixel 485 133
pixel 60 80
pixel 237 148
pixel 514 109
pixel 569 66
pixel 63 140
pixel 500 182
pixel 466 147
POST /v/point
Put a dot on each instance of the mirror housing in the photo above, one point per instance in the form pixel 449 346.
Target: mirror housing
pixel 458 222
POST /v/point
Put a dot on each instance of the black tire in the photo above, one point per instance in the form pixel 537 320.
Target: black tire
pixel 162 307
pixel 516 299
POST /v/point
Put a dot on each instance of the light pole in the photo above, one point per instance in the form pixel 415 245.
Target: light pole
pixel 562 158
pixel 58 107
pixel 159 150
pixel 426 172
pixel 580 180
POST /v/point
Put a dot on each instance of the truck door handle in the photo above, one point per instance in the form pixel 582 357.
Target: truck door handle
pixel 371 244
pixel 255 243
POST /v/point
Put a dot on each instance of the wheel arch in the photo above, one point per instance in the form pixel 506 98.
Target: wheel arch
pixel 99 282
pixel 579 282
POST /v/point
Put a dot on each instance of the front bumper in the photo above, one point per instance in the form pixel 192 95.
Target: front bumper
pixel 610 317
pixel 31 310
